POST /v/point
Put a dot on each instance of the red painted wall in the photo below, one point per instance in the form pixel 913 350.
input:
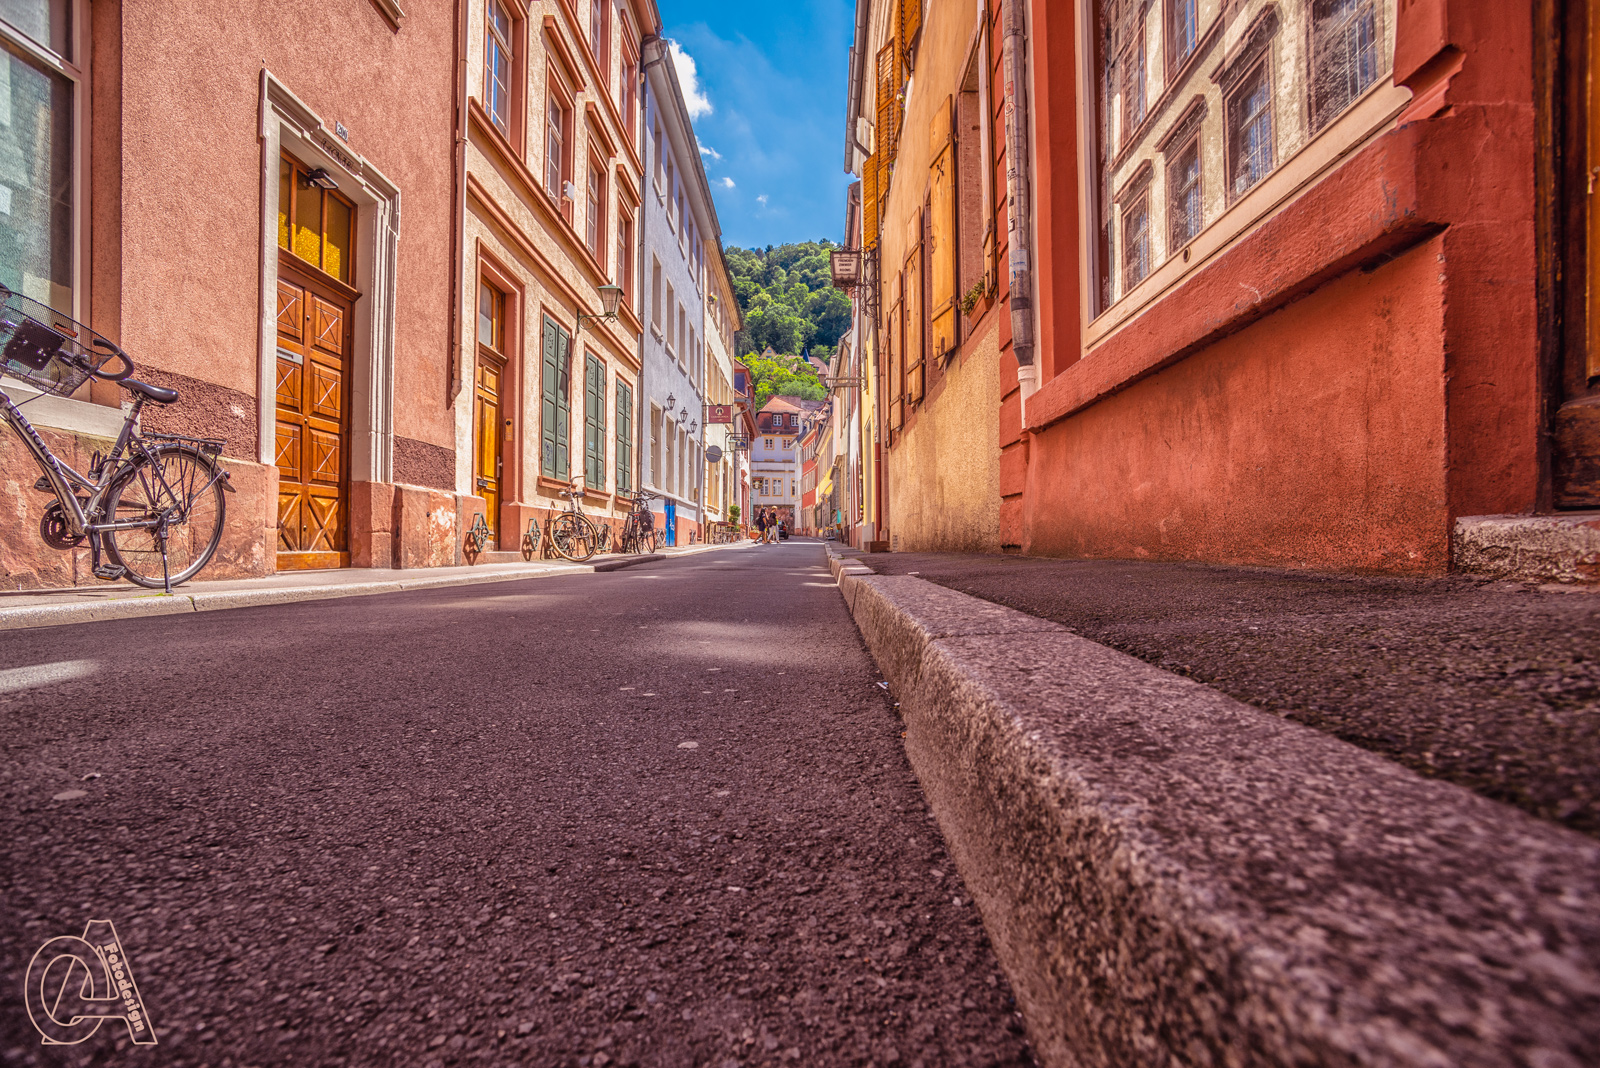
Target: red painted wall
pixel 1314 438
pixel 1349 410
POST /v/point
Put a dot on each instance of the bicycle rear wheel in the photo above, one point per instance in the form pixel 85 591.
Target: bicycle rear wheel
pixel 574 537
pixel 173 481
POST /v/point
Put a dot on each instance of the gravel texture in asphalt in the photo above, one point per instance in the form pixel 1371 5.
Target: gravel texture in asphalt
pixel 1494 686
pixel 656 817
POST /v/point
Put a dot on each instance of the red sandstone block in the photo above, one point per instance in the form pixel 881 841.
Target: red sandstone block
pixel 1012 528
pixel 425 527
pixel 1013 469
pixel 1011 419
pixel 1008 372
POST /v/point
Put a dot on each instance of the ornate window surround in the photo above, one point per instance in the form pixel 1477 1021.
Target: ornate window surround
pixel 1373 112
pixel 287 124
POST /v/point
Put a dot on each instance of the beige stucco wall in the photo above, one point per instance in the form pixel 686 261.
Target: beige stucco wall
pixel 943 468
pixel 944 472
pixel 510 226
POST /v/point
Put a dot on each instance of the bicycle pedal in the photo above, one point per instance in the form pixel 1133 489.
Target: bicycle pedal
pixel 110 572
pixel 43 485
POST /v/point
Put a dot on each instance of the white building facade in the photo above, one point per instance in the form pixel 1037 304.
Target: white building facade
pixel 722 418
pixel 679 224
pixel 775 461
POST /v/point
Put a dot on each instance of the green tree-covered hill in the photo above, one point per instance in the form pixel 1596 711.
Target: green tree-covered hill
pixel 787 300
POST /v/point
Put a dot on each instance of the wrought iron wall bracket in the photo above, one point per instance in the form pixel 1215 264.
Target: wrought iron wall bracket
pixel 477 535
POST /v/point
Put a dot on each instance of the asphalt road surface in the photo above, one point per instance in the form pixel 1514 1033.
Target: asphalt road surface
pixel 656 817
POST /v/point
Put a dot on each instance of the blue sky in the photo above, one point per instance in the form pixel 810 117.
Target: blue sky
pixel 773 76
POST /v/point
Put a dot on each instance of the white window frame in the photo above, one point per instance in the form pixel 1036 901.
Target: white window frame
pixel 76 71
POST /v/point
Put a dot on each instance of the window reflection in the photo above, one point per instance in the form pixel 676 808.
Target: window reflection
pixel 1200 101
pixel 35 175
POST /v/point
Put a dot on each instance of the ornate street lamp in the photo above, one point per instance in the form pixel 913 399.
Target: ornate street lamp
pixel 610 298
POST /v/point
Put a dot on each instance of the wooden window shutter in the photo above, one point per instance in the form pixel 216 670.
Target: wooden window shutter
pixel 869 203
pixel 563 378
pixel 910 22
pixel 942 247
pixel 549 411
pixel 593 443
pixel 889 107
pixel 915 313
pixel 624 438
pixel 600 429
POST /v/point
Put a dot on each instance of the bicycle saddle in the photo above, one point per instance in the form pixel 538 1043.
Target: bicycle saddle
pixel 159 394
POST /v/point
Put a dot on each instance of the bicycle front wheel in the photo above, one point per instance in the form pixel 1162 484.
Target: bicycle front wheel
pixel 574 537
pixel 179 485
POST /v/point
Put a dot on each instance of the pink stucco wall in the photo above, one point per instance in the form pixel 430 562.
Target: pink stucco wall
pixel 191 176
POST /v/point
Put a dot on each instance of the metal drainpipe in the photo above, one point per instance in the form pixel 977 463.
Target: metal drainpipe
pixel 644 184
pixel 1019 199
pixel 458 195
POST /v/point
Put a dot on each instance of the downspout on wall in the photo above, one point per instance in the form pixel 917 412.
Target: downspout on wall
pixel 1019 195
pixel 653 20
pixel 656 39
pixel 458 198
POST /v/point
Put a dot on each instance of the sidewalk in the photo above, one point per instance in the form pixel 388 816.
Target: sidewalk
pixel 1170 875
pixel 1492 685
pixel 121 600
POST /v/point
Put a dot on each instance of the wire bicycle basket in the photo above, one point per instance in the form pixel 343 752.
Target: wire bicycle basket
pixel 47 350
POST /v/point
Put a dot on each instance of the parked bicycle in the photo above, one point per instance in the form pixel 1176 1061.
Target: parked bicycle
pixel 154 506
pixel 568 533
pixel 639 534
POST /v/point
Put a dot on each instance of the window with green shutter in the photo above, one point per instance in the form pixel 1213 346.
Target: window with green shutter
pixel 594 423
pixel 624 437
pixel 555 459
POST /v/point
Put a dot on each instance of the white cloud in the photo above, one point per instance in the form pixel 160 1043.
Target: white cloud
pixel 726 183
pixel 693 96
pixel 762 200
pixel 707 150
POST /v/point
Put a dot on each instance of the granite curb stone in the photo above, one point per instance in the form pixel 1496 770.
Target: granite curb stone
pixel 1170 876
pixel 1562 548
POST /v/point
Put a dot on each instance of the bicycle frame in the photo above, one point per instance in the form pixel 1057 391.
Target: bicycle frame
pixel 81 515
pixel 63 477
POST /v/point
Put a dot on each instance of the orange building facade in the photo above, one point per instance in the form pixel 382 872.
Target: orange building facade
pixel 369 242
pixel 1299 283
pixel 236 225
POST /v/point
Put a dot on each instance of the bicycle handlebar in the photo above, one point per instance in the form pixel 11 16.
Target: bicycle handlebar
pixel 112 376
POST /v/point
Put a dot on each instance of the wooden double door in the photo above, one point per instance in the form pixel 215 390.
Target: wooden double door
pixel 1568 174
pixel 491 430
pixel 313 418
